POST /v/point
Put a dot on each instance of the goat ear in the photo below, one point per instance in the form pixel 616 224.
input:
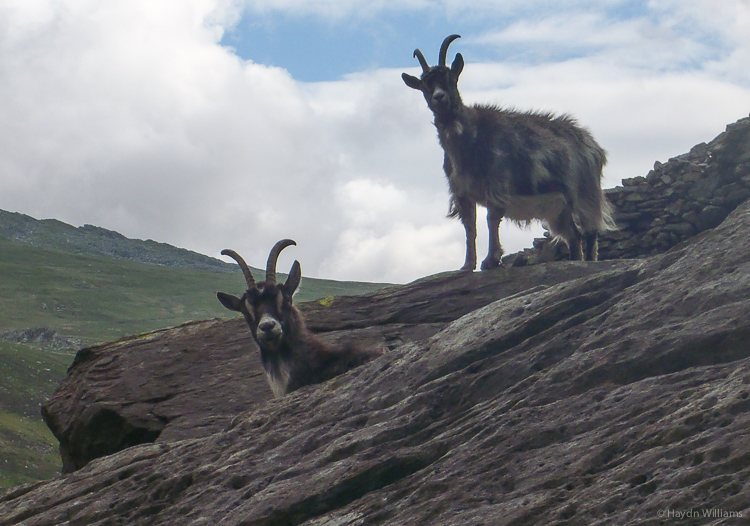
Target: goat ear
pixel 292 282
pixel 230 302
pixel 411 81
pixel 458 65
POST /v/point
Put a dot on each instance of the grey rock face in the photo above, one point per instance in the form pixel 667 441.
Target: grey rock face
pixel 613 397
pixel 190 381
pixel 688 194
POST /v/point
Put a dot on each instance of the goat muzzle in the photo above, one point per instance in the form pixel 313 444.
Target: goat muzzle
pixel 269 331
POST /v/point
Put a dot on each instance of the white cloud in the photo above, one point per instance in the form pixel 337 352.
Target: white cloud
pixel 367 201
pixel 419 251
pixel 129 115
pixel 333 9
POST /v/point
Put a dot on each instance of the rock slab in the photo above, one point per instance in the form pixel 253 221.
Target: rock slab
pixel 190 381
pixel 618 396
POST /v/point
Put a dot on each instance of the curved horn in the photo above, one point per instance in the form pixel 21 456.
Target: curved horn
pixel 422 62
pixel 241 262
pixel 444 48
pixel 273 257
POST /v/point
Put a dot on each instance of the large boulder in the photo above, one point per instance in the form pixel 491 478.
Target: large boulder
pixel 190 381
pixel 620 395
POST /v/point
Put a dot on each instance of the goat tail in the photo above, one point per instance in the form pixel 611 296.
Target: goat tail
pixel 608 222
pixel 593 209
pixel 594 213
pixel 453 211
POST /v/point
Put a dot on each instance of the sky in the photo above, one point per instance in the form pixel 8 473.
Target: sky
pixel 212 124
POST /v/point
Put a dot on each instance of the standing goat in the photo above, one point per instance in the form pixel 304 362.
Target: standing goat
pixel 523 166
pixel 292 356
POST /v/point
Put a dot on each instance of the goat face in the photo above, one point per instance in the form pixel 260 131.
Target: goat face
pixel 438 84
pixel 266 306
pixel 267 310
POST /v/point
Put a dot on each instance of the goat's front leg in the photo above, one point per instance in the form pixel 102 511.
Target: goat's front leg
pixel 495 252
pixel 467 212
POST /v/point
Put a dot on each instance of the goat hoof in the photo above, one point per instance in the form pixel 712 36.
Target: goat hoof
pixel 468 267
pixel 488 264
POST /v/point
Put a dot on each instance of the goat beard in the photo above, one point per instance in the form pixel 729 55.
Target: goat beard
pixel 271 342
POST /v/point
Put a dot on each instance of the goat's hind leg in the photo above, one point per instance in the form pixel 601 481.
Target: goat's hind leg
pixel 565 227
pixel 495 252
pixel 575 245
pixel 592 246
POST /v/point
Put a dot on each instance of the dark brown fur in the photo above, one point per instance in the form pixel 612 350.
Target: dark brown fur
pixel 291 355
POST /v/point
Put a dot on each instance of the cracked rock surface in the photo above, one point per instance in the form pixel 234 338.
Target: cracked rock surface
pixel 562 393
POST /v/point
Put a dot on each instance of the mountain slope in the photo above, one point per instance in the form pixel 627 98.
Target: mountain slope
pixel 93 240
pixel 97 299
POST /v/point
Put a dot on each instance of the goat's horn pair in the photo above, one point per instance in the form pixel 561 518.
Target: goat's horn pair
pixel 444 48
pixel 273 257
pixel 241 262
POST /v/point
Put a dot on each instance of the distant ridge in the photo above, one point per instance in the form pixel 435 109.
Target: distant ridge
pixel 97 241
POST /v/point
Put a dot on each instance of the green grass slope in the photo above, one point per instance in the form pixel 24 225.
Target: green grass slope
pixel 99 299
pixel 28 450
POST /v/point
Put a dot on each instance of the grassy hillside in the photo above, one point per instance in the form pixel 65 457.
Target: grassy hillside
pixel 98 299
pixel 89 299
pixel 97 241
pixel 28 375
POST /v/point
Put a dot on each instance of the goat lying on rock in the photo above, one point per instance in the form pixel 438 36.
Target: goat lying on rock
pixel 523 166
pixel 292 356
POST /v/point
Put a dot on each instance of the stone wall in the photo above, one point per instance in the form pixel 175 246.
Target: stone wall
pixel 686 195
